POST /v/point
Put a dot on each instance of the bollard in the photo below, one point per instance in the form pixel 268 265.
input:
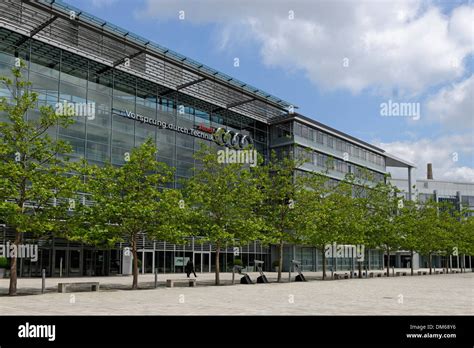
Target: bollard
pixel 61 267
pixel 156 277
pixel 43 280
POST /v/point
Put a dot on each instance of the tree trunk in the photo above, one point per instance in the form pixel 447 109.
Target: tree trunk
pixel 388 262
pixel 280 260
pixel 429 261
pixel 411 262
pixel 324 263
pixel 135 262
pixel 218 252
pixel 13 267
pixel 360 269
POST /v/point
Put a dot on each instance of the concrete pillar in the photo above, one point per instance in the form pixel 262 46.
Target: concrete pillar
pixel 153 258
pixel 398 260
pixel 416 261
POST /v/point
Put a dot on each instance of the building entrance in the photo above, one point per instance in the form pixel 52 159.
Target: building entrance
pixel 202 261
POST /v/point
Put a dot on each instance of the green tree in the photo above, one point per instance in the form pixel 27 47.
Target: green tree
pixel 129 201
pixel 383 204
pixel 223 198
pixel 430 232
pixel 331 213
pixel 465 234
pixel 279 184
pixel 352 194
pixel 449 231
pixel 411 226
pixel 319 224
pixel 34 186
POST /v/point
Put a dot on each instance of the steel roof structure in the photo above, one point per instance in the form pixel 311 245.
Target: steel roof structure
pixel 64 26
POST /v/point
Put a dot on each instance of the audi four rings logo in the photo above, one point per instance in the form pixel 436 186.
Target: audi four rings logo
pixel 231 139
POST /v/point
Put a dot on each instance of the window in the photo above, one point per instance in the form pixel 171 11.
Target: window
pixel 321 160
pixel 97 152
pixel 371 157
pixel 330 141
pixel 354 151
pixel 319 138
pixel 298 129
pixel 202 117
pixel 282 132
pixel 304 132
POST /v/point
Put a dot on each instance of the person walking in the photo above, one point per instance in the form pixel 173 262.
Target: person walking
pixel 190 268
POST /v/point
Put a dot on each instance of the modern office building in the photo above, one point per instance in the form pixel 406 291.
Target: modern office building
pixel 140 89
pixel 459 194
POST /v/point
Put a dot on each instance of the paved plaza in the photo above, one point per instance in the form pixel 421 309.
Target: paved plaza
pixel 448 294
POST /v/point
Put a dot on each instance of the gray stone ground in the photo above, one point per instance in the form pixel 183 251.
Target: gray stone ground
pixel 446 294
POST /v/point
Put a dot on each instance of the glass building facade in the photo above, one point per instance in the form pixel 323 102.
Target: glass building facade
pixel 141 90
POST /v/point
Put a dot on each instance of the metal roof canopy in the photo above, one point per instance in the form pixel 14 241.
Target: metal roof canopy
pixel 394 161
pixel 113 45
pixel 42 50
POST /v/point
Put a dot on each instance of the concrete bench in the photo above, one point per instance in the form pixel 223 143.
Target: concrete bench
pixel 401 274
pixel 371 274
pixel 170 282
pixel 63 287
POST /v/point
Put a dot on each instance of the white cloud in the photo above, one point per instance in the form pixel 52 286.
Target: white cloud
pixel 446 153
pixel 404 45
pixel 408 47
pixel 454 105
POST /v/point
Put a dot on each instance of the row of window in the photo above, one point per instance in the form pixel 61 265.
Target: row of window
pixel 330 163
pixel 337 144
pixel 78 84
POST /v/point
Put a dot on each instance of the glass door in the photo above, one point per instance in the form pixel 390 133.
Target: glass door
pixel 147 263
pixel 74 269
pixel 202 262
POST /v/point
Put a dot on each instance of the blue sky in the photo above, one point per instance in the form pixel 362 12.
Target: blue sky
pixel 337 61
